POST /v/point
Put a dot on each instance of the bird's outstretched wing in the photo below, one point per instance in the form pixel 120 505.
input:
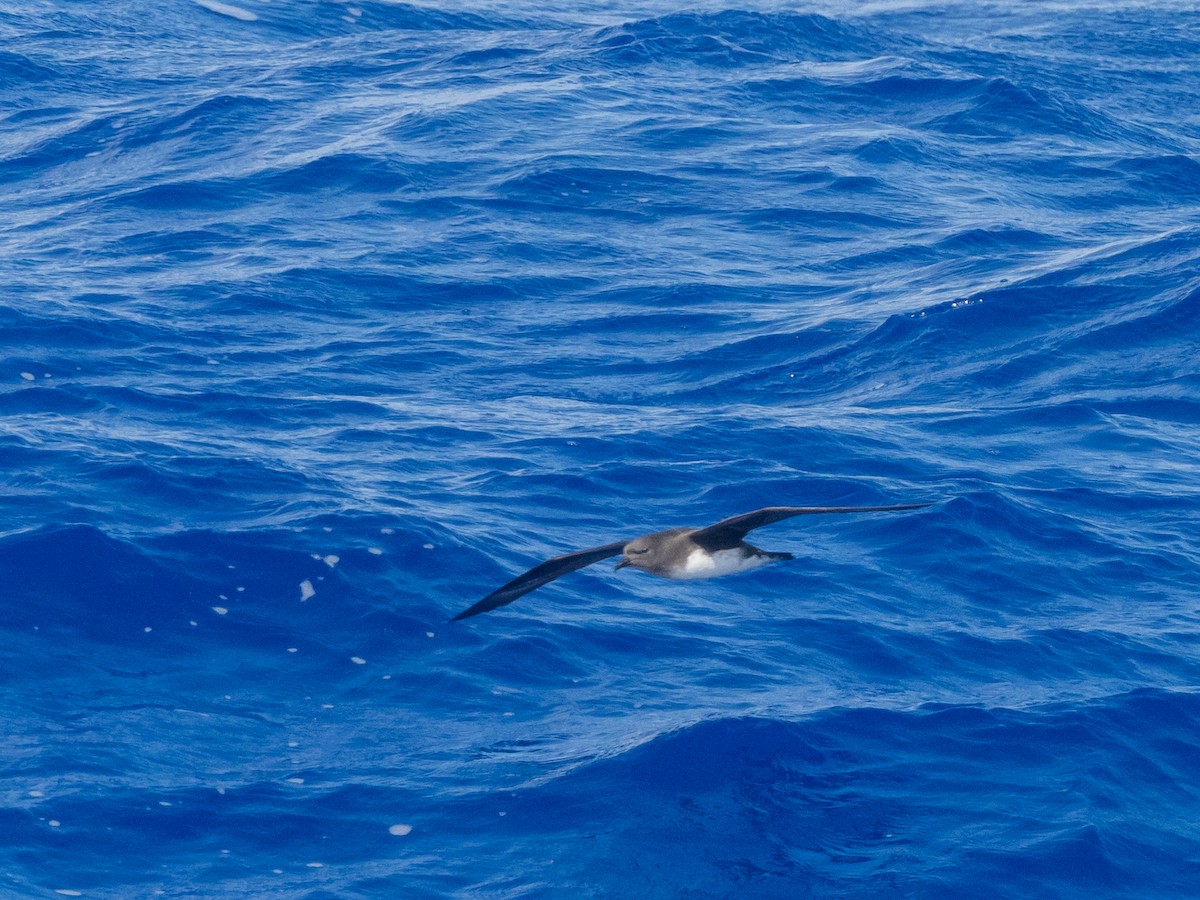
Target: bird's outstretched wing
pixel 539 575
pixel 733 529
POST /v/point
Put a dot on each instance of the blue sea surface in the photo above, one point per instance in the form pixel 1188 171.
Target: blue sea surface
pixel 321 320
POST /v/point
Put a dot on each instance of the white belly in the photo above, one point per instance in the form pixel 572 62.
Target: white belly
pixel 724 562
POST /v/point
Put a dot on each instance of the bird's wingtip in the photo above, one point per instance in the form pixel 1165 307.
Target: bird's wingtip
pixel 467 613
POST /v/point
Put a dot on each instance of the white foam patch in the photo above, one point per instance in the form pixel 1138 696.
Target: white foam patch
pixel 306 590
pixel 332 560
pixel 375 551
pixel 400 830
pixel 67 892
pixel 358 660
pixel 226 9
pixel 220 610
pixel 28 376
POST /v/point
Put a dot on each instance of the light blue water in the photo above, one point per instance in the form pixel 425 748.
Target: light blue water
pixel 323 320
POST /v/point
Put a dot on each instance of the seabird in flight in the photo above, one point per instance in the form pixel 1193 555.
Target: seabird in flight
pixel 707 552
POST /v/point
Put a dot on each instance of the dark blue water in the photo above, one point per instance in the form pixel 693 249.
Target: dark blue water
pixel 322 320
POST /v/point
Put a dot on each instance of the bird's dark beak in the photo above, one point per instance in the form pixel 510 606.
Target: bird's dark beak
pixel 622 564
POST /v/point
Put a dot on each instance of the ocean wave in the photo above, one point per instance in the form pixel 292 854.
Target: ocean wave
pixel 323 321
pixel 729 38
pixel 850 795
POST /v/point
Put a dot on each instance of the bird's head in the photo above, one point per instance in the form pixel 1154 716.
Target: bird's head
pixel 639 553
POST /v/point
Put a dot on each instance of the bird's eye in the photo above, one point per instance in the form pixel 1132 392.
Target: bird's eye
pixel 637 550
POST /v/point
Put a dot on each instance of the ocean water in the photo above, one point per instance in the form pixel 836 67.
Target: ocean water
pixel 322 320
